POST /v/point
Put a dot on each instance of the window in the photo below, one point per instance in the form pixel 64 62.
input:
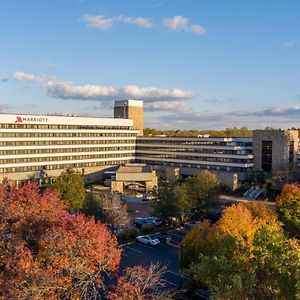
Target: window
pixel 266 156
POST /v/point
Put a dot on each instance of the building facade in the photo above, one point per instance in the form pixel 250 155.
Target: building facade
pixel 133 110
pixel 275 151
pixel 43 146
pixel 230 159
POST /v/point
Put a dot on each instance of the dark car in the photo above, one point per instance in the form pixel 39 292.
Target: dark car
pixel 142 223
pixel 163 237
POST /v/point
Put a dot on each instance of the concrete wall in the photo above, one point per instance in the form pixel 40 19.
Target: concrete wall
pixel 134 113
pixel 280 149
pixel 92 174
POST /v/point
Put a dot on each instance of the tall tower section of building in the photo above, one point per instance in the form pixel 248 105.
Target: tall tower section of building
pixel 131 109
pixel 275 151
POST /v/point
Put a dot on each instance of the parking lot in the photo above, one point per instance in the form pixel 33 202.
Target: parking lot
pixel 164 254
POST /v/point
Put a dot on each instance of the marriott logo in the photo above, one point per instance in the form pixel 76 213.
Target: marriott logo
pixel 30 119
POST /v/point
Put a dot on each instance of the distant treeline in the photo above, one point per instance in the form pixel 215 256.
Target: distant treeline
pixel 228 132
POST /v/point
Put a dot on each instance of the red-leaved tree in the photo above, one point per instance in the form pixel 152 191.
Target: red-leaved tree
pixel 45 253
pixel 140 283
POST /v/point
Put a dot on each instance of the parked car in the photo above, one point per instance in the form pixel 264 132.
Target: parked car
pixel 142 223
pixel 148 240
pixel 163 237
pixel 154 220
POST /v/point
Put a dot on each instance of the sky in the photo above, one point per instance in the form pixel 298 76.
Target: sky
pixel 196 64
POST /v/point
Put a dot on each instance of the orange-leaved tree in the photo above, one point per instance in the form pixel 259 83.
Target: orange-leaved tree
pixel 288 206
pixel 46 252
pixel 244 256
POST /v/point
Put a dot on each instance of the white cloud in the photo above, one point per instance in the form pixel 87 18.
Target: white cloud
pixel 198 29
pixel 288 44
pixel 98 21
pixel 103 23
pixel 141 22
pixel 176 23
pixel 21 76
pixel 179 23
pixel 67 90
pixel 48 64
pixel 169 106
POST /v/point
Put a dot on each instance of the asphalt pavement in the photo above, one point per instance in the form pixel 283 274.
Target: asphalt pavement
pixel 165 254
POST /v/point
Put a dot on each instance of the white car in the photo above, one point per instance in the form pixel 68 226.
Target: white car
pixel 148 240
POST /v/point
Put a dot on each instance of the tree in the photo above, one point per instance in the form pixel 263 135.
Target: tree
pixel 166 203
pixel 47 253
pixel 107 208
pixel 71 187
pixel 288 207
pixel 258 177
pixel 244 256
pixel 140 283
pixel 203 190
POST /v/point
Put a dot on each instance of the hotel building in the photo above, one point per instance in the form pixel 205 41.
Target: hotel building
pixel 230 159
pixel 41 147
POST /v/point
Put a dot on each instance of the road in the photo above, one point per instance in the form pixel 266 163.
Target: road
pixel 166 255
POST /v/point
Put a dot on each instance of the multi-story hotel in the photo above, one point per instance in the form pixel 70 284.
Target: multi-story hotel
pixel 33 146
pixel 223 156
pixel 41 147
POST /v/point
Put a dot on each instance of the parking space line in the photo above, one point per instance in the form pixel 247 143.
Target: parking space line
pixel 177 274
pixel 174 273
pixel 171 283
pixel 138 251
pixel 144 245
pixel 176 235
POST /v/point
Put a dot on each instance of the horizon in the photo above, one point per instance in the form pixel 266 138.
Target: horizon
pixel 197 66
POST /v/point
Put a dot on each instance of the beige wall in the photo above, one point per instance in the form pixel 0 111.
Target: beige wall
pixel 91 174
pixel 280 149
pixel 134 113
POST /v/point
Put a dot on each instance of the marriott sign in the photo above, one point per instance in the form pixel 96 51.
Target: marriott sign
pixel 31 119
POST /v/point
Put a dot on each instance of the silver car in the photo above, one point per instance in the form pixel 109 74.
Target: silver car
pixel 148 240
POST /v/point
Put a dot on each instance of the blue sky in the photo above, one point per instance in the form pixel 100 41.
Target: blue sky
pixel 197 64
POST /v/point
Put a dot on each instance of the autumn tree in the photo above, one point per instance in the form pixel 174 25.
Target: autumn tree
pixel 49 254
pixel 288 206
pixel 244 256
pixel 107 208
pixel 140 283
pixel 71 187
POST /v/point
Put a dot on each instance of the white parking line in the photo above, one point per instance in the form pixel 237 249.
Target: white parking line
pixel 138 251
pixel 147 246
pixel 177 274
pixel 171 283
pixel 176 235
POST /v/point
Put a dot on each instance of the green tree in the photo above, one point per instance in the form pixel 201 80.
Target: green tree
pixel 244 256
pixel 258 177
pixel 165 203
pixel 288 206
pixel 203 190
pixel 71 187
